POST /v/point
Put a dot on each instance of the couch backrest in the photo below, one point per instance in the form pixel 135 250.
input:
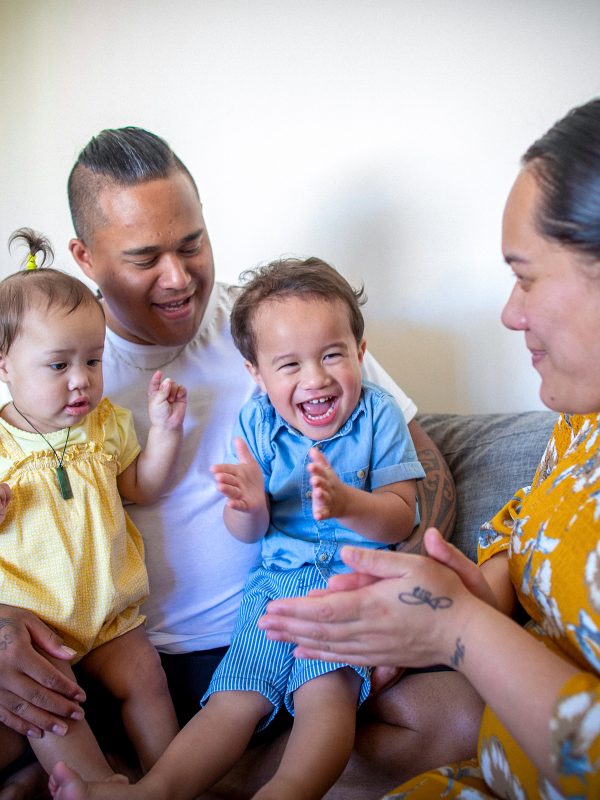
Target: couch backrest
pixel 491 456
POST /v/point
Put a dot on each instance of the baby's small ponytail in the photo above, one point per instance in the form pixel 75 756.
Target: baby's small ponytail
pixel 36 243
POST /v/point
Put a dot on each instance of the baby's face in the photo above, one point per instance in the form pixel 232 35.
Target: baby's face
pixel 54 367
pixel 309 362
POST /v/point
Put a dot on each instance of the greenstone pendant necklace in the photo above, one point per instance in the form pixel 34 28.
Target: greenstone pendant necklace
pixel 62 477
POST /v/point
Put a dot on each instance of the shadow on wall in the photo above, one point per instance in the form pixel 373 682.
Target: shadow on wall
pixel 475 367
pixel 423 361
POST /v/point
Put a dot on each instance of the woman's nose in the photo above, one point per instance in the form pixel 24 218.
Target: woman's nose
pixel 513 314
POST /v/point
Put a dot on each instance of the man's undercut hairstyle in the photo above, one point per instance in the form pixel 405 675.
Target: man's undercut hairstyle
pixel 43 287
pixel 309 279
pixel 117 157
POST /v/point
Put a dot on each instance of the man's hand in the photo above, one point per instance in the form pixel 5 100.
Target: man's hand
pixel 34 695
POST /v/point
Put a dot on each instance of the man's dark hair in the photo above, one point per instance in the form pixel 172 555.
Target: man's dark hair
pixel 118 157
pixel 291 277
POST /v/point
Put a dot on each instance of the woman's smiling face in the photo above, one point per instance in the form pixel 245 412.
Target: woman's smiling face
pixel 555 302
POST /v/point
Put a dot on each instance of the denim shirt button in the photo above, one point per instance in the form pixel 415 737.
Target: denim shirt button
pixel 308 494
pixel 323 557
pixel 361 473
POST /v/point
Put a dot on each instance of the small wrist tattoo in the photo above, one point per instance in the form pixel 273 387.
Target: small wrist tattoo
pixel 419 597
pixel 459 655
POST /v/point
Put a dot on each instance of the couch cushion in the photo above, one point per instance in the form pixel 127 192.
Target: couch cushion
pixel 490 456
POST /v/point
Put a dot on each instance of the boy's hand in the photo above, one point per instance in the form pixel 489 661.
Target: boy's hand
pixel 5 495
pixel 167 402
pixel 242 484
pixel 328 491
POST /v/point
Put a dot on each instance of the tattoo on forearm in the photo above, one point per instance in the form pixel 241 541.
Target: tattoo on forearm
pixel 459 654
pixel 5 635
pixel 420 597
pixel 436 495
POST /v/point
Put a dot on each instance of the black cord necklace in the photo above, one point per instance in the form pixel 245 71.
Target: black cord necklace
pixel 64 483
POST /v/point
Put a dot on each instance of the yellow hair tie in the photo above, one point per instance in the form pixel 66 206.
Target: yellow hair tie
pixel 31 262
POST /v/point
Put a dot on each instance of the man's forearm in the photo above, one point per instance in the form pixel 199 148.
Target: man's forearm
pixel 436 493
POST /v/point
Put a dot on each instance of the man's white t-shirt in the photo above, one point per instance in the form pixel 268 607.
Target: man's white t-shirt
pixel 197 569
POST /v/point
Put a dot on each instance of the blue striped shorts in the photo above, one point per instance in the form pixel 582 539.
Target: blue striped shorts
pixel 255 663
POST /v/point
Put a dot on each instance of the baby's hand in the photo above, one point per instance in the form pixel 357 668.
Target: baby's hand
pixel 5 495
pixel 327 489
pixel 242 484
pixel 167 402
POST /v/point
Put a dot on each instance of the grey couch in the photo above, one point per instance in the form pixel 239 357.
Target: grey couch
pixel 490 457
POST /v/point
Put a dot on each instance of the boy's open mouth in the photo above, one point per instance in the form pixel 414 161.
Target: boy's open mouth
pixel 319 411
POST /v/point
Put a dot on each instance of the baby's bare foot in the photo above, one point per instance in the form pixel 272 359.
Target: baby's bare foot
pixel 66 784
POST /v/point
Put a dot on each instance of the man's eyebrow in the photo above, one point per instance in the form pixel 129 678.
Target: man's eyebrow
pixel 151 249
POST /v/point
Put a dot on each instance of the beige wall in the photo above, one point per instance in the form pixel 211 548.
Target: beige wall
pixel 379 134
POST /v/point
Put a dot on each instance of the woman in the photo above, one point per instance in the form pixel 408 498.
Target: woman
pixel 540 733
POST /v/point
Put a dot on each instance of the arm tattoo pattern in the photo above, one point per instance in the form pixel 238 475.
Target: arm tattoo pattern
pixel 436 495
pixel 459 655
pixel 421 597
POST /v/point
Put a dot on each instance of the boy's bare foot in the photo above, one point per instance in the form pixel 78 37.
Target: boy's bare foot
pixel 26 784
pixel 65 783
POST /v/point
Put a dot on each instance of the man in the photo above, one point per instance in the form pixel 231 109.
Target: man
pixel 141 238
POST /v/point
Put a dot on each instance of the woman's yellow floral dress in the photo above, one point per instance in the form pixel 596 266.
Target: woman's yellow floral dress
pixel 551 532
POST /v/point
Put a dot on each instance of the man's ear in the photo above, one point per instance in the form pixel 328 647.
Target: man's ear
pixel 81 254
pixel 253 370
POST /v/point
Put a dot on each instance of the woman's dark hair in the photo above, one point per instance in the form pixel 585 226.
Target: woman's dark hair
pixel 291 277
pixel 121 157
pixel 566 163
pixel 34 287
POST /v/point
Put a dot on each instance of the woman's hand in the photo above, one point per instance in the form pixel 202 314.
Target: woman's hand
pixel 393 609
pixel 34 695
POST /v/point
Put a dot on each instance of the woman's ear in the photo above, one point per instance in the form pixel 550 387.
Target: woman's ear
pixel 253 370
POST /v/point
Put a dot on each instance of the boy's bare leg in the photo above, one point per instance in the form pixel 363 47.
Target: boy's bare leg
pixel 199 755
pixel 78 747
pixel 321 740
pixel 130 669
pixel 423 721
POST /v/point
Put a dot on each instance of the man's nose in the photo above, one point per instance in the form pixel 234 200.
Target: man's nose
pixel 173 272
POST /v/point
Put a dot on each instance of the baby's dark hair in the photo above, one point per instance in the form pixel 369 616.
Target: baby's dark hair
pixel 44 286
pixel 291 277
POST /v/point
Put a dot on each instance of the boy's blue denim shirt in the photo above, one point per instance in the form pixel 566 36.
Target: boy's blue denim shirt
pixel 373 448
